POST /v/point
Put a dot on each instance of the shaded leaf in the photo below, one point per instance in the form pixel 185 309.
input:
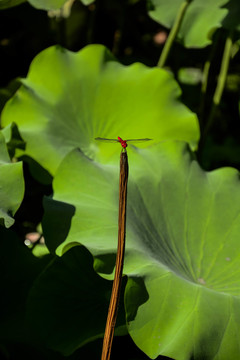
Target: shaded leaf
pixel 11 186
pixel 201 20
pixel 232 20
pixel 4 4
pixel 74 303
pixel 40 4
pixel 18 269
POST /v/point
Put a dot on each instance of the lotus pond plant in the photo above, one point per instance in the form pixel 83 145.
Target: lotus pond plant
pixel 180 294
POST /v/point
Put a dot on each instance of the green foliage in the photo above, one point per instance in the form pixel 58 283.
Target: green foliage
pixel 19 269
pixel 181 290
pixel 47 4
pixel 54 4
pixel 12 186
pixel 87 2
pixel 80 96
pixel 201 20
pixel 73 297
pixel 183 232
pixel 4 4
pixel 40 4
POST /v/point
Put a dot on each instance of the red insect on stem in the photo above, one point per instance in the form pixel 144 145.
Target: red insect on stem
pixel 124 143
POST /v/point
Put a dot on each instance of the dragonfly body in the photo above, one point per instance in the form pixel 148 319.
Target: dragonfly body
pixel 124 143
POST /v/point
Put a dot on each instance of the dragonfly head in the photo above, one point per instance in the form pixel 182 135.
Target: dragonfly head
pixel 123 142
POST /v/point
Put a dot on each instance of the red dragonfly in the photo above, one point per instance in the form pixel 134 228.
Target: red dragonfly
pixel 121 141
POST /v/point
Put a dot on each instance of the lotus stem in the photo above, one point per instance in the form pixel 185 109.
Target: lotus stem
pixel 173 33
pixel 116 288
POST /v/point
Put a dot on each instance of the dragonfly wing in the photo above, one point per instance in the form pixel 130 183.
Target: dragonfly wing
pixel 116 140
pixel 106 140
pixel 138 140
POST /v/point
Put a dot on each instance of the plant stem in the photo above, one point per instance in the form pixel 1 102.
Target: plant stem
pixel 221 80
pixel 173 33
pixel 205 80
pixel 114 301
pixel 205 76
pixel 223 71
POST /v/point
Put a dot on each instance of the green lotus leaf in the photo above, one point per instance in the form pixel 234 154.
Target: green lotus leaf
pixel 47 4
pixel 74 303
pixel 11 186
pixel 69 98
pixel 182 253
pixel 232 20
pixel 87 2
pixel 4 4
pixel 54 4
pixel 40 4
pixel 201 18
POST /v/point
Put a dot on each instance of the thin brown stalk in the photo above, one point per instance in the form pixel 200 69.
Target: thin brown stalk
pixel 114 301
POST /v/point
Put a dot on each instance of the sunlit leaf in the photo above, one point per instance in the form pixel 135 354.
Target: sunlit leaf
pixel 87 2
pixel 68 99
pixel 47 4
pixel 55 4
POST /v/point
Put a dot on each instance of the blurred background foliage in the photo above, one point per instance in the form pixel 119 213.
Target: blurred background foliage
pixel 135 31
pixel 126 28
